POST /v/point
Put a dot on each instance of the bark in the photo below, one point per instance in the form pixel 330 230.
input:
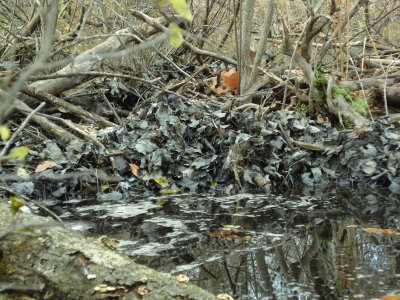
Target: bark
pixel 341 109
pixel 55 262
pixel 378 86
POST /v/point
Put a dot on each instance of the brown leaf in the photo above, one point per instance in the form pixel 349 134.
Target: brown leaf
pixel 134 169
pixel 45 165
pixel 379 231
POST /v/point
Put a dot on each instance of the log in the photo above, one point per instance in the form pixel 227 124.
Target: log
pixel 378 86
pixel 49 261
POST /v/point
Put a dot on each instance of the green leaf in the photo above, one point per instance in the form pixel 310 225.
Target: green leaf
pixel 4 133
pixel 182 8
pixel 18 153
pixel 175 35
pixel 104 188
pixel 162 181
pixel 15 204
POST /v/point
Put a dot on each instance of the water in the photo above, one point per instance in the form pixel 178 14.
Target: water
pixel 315 244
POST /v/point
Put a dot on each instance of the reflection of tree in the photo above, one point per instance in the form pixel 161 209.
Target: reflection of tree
pixel 265 282
pixel 325 259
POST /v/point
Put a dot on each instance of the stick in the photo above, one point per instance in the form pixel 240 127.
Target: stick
pixel 23 125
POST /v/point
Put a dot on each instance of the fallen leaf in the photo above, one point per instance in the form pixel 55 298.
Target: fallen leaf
pixel 134 169
pixel 162 181
pixel 47 164
pixel 18 153
pixel 379 231
pixel 4 133
pixel 161 202
pixel 104 188
pixel 21 172
pixel 175 35
pixel 142 290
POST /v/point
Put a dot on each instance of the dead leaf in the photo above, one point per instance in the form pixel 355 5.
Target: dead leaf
pixel 45 165
pixel 230 234
pixel 134 169
pixel 379 231
pixel 216 89
pixel 170 191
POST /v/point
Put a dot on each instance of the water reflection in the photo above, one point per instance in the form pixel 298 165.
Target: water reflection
pixel 308 246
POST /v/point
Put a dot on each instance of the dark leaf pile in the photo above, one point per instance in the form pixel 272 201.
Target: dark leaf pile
pixel 199 148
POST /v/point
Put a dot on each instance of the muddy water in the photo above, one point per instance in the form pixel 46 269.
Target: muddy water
pixel 315 244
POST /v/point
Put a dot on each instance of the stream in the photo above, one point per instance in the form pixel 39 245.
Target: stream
pixel 309 244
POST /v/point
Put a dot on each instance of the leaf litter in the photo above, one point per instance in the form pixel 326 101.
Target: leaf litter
pixel 199 148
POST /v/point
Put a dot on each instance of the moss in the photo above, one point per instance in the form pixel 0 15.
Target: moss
pixel 320 83
pixel 303 108
pixel 337 90
pixel 360 105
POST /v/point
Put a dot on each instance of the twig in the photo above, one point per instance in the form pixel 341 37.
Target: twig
pixel 107 74
pixel 59 177
pixel 33 201
pixel 119 120
pixel 169 89
pixel 89 138
pixel 23 125
pixel 59 103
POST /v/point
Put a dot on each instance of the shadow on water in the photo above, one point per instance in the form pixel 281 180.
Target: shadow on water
pixel 310 245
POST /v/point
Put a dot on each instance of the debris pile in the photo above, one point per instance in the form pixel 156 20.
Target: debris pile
pixel 198 148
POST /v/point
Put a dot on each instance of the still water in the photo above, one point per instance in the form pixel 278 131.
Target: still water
pixel 313 244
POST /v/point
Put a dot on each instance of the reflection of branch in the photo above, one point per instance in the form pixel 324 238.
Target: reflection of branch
pixel 282 261
pixel 309 253
pixel 228 275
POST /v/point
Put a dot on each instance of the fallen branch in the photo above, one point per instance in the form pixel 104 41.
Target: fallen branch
pixel 65 137
pixel 91 59
pixel 51 256
pixel 63 105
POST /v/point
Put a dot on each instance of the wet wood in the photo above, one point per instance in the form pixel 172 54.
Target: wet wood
pixel 55 262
